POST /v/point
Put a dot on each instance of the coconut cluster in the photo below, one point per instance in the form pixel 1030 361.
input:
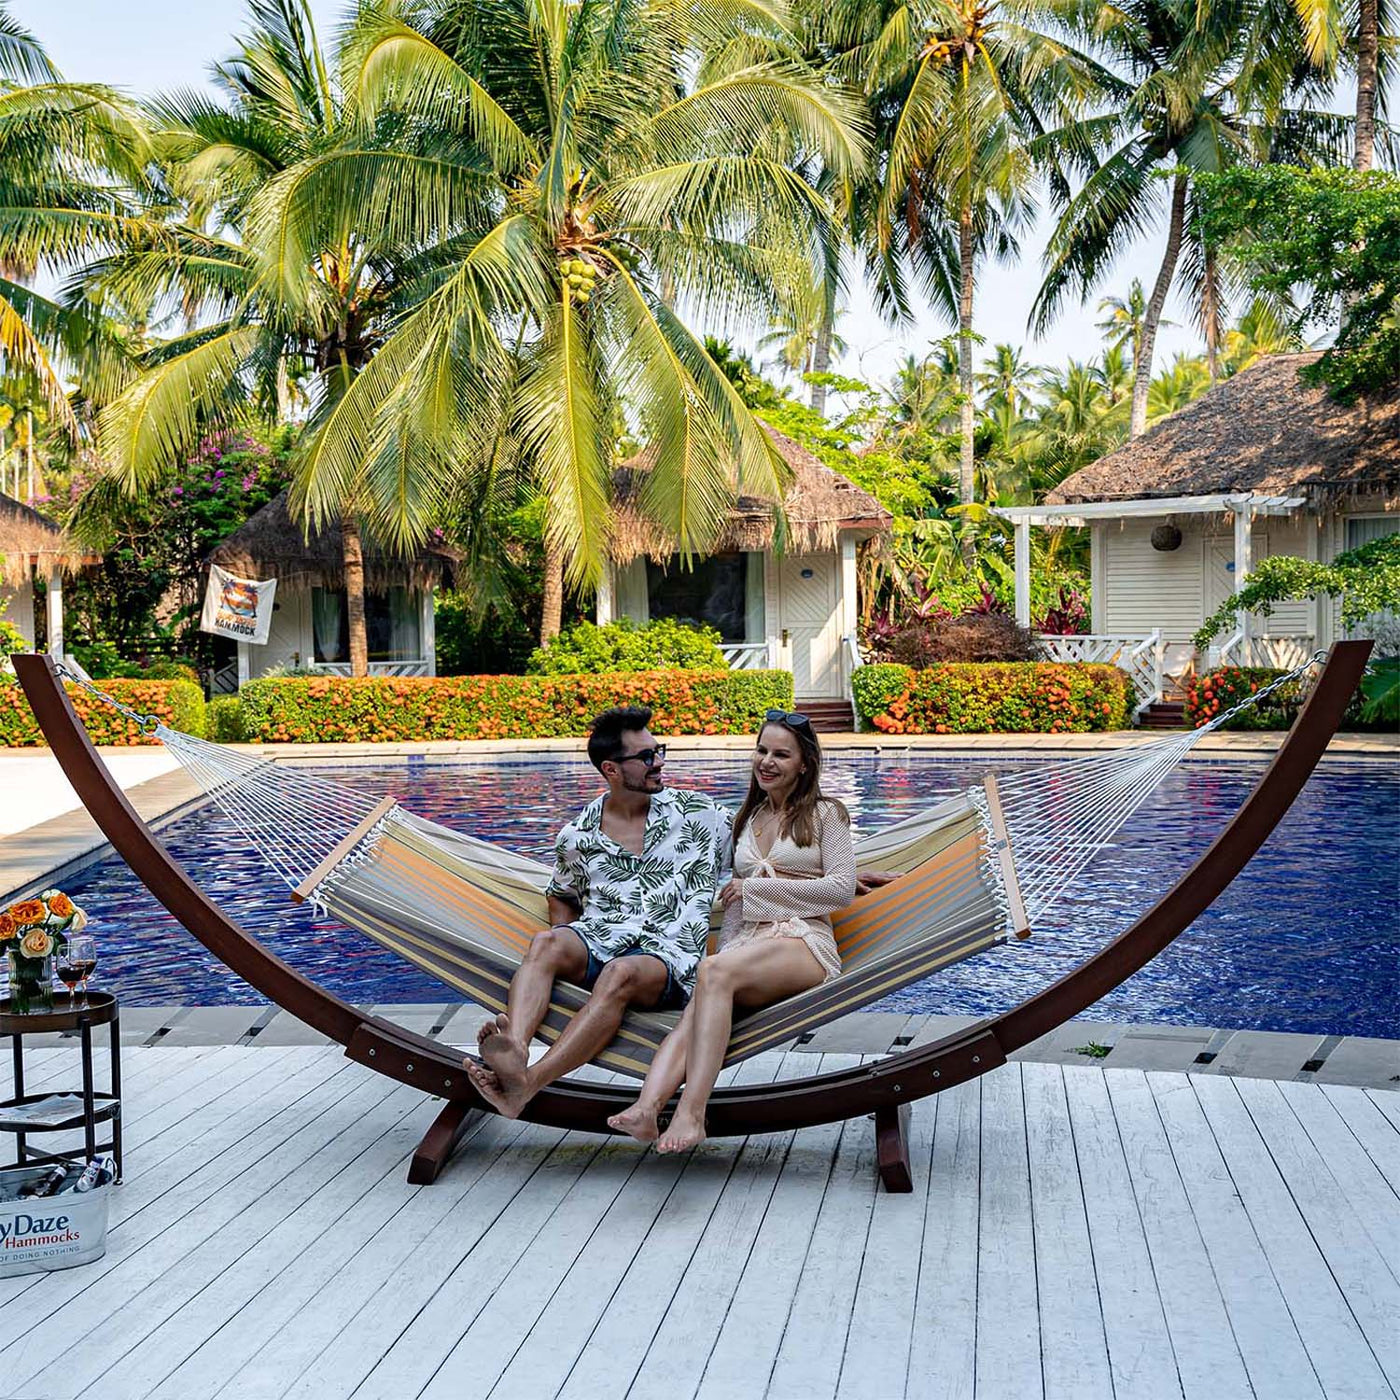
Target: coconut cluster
pixel 579 277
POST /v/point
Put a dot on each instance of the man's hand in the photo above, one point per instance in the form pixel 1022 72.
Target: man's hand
pixel 732 891
pixel 867 880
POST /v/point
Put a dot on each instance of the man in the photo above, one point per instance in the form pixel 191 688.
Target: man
pixel 634 881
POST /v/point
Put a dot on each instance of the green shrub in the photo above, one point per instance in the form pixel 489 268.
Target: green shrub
pixel 661 645
pixel 1021 697
pixel 179 704
pixel 332 709
pixel 223 720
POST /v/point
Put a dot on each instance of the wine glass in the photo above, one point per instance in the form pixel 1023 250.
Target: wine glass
pixel 81 957
pixel 70 973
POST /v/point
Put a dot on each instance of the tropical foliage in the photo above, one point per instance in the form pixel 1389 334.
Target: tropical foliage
pixel 624 645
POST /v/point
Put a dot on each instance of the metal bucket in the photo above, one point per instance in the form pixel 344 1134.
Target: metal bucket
pixel 49 1232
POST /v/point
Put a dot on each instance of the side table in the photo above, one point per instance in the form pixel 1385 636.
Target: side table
pixel 101 1010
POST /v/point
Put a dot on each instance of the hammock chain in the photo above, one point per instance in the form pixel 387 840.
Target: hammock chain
pixel 148 724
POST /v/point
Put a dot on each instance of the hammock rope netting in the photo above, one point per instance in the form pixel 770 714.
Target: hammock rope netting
pixel 976 870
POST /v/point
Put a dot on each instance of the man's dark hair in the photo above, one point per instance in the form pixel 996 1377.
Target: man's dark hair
pixel 605 738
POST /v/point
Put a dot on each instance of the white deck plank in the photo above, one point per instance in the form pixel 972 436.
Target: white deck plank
pixel 1278 1364
pixel 1371 1128
pixel 876 1363
pixel 1388 1101
pixel 131 1300
pixel 699 1326
pixel 737 1356
pixel 1141 1360
pixel 1341 1333
pixel 594 1332
pixel 397 1273
pixel 384 1140
pixel 1008 1331
pixel 1374 1200
pixel 814 1341
pixel 179 1184
pixel 942 1362
pixel 181 1150
pixel 1209 1364
pixel 458 1299
pixel 278 1293
pixel 1074 1348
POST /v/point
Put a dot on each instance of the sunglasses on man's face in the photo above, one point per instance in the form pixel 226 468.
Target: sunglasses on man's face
pixel 791 718
pixel 649 757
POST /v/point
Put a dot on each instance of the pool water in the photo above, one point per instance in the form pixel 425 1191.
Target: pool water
pixel 1306 939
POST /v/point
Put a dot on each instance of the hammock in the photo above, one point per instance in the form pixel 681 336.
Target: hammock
pixel 977 870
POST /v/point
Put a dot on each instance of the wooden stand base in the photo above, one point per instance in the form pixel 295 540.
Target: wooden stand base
pixel 440 1141
pixel 892 1148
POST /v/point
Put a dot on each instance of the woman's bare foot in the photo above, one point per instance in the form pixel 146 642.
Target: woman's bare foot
pixel 488 1085
pixel 684 1133
pixel 638 1122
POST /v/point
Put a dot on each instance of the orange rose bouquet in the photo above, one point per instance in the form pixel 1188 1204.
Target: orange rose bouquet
pixel 33 932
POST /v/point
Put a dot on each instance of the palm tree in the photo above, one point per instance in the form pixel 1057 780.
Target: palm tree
pixel 804 345
pixel 958 87
pixel 573 173
pixel 1262 329
pixel 1122 325
pixel 1184 381
pixel 1007 379
pixel 1208 87
pixel 72 164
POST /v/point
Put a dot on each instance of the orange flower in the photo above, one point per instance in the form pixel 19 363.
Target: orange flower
pixel 8 928
pixel 60 905
pixel 28 911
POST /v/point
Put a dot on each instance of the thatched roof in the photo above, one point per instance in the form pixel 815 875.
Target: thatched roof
pixel 1261 430
pixel 819 504
pixel 28 541
pixel 271 544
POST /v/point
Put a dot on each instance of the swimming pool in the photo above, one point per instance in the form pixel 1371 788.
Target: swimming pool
pixel 1306 939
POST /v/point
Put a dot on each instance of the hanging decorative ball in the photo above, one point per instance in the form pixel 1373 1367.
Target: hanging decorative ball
pixel 1166 538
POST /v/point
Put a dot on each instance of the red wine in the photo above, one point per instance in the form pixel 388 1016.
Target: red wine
pixel 77 970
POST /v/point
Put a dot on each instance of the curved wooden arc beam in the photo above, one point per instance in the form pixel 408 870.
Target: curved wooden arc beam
pixel 879 1088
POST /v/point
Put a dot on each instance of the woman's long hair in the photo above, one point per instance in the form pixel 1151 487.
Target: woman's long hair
pixel 799 814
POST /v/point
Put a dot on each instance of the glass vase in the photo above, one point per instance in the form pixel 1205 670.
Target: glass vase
pixel 31 983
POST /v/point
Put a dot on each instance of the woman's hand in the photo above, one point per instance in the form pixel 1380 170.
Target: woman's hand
pixel 732 891
pixel 867 880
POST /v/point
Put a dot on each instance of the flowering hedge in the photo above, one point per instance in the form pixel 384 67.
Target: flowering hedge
pixel 1015 697
pixel 325 709
pixel 1214 692
pixel 180 704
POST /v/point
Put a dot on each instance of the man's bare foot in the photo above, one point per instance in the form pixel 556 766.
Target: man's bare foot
pixel 504 1055
pixel 684 1133
pixel 486 1083
pixel 638 1122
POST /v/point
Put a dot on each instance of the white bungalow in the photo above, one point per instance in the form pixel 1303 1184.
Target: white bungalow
pixel 31 545
pixel 794 610
pixel 1262 464
pixel 309 621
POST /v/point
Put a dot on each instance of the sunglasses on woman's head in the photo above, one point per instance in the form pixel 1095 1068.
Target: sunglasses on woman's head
pixel 791 718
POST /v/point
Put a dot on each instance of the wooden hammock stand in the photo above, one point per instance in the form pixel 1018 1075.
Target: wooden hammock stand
pixel 885 1088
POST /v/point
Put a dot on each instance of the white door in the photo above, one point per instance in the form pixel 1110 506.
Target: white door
pixel 809 610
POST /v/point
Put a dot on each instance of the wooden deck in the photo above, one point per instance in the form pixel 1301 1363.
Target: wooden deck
pixel 1074 1232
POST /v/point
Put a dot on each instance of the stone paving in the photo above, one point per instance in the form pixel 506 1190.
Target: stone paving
pixel 1360 1061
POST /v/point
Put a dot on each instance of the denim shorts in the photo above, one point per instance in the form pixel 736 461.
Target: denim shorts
pixel 673 998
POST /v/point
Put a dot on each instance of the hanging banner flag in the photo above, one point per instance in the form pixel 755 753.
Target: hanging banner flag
pixel 237 607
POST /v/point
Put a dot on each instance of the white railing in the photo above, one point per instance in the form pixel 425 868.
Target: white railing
pixel 745 656
pixel 1282 652
pixel 421 667
pixel 854 661
pixel 224 681
pixel 1142 657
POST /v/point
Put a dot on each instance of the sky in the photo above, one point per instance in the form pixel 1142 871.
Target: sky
pixel 146 46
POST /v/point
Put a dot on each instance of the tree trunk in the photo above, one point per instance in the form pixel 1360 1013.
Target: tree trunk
pixel 553 609
pixel 353 551
pixel 1367 43
pixel 821 362
pixel 1210 314
pixel 1142 371
pixel 966 410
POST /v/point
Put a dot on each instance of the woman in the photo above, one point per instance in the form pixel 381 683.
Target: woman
pixel 794 867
